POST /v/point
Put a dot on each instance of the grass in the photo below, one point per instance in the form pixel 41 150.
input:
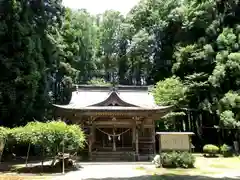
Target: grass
pixel 232 163
pixel 206 166
pixel 177 171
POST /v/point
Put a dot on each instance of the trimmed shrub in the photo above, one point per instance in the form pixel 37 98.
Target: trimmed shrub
pixel 210 150
pixel 226 150
pixel 174 160
pixel 49 136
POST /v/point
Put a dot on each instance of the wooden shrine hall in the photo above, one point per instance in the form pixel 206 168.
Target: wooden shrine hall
pixel 117 120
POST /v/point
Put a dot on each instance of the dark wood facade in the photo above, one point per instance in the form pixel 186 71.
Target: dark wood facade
pixel 121 120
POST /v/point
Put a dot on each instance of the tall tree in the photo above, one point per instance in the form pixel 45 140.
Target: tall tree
pixel 24 36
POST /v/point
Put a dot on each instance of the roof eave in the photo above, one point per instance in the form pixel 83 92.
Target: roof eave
pixel 157 109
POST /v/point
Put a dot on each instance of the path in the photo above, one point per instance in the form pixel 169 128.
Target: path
pixel 128 171
pixel 106 170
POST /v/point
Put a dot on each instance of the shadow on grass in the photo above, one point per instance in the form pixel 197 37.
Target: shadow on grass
pixel 211 156
pixel 7 167
pixel 167 177
pixel 46 169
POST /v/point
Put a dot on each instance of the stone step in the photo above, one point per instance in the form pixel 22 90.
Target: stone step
pixel 100 158
pixel 111 156
pixel 111 153
pixel 109 160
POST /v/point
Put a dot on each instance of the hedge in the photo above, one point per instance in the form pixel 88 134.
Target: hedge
pixel 49 136
pixel 210 150
pixel 175 160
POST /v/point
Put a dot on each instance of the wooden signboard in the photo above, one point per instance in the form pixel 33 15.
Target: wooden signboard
pixel 175 141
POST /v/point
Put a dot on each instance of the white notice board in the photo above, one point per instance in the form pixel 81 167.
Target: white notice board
pixel 175 142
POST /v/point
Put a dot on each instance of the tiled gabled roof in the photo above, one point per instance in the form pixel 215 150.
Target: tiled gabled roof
pixel 99 97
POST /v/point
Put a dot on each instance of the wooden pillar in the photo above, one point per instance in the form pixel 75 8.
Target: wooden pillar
pixel 160 149
pixel 122 140
pixel 153 137
pixel 114 140
pixel 93 133
pixel 133 135
pixel 90 141
pixel 154 141
pixel 190 143
pixel 136 143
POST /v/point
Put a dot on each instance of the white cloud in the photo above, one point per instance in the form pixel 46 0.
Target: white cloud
pixel 99 6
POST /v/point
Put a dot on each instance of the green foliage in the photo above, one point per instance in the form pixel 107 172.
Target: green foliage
pixel 226 150
pixel 98 81
pixel 28 58
pixel 3 133
pixel 193 45
pixel 175 160
pixel 168 121
pixel 169 92
pixel 229 110
pixel 210 150
pixel 49 136
pixel 78 43
pixel 173 114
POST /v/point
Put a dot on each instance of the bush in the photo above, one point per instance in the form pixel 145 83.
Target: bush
pixel 210 150
pixel 226 150
pixel 49 136
pixel 175 160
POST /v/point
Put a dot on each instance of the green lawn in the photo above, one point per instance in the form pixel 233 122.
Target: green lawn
pixel 232 163
pixel 203 166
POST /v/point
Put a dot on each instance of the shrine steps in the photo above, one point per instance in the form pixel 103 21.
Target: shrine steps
pixel 121 156
pixel 101 156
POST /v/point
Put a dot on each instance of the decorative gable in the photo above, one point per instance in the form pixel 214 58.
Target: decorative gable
pixel 114 100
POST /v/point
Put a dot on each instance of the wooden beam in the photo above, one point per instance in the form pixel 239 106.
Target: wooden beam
pixel 128 123
pixel 128 113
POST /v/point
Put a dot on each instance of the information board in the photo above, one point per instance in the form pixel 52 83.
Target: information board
pixel 178 142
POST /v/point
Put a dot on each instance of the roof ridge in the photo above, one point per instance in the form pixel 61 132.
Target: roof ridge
pixel 110 88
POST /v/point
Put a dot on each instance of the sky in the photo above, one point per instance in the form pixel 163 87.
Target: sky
pixel 99 6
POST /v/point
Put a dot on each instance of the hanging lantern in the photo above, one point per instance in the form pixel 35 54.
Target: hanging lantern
pixel 119 138
pixel 109 138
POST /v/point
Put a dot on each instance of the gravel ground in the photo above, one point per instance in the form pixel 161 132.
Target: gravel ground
pixel 128 171
pixel 106 170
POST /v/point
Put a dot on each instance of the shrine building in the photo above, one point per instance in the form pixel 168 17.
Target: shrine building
pixel 118 121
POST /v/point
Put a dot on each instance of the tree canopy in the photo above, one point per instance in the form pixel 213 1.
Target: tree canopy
pixel 189 49
pixel 49 136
